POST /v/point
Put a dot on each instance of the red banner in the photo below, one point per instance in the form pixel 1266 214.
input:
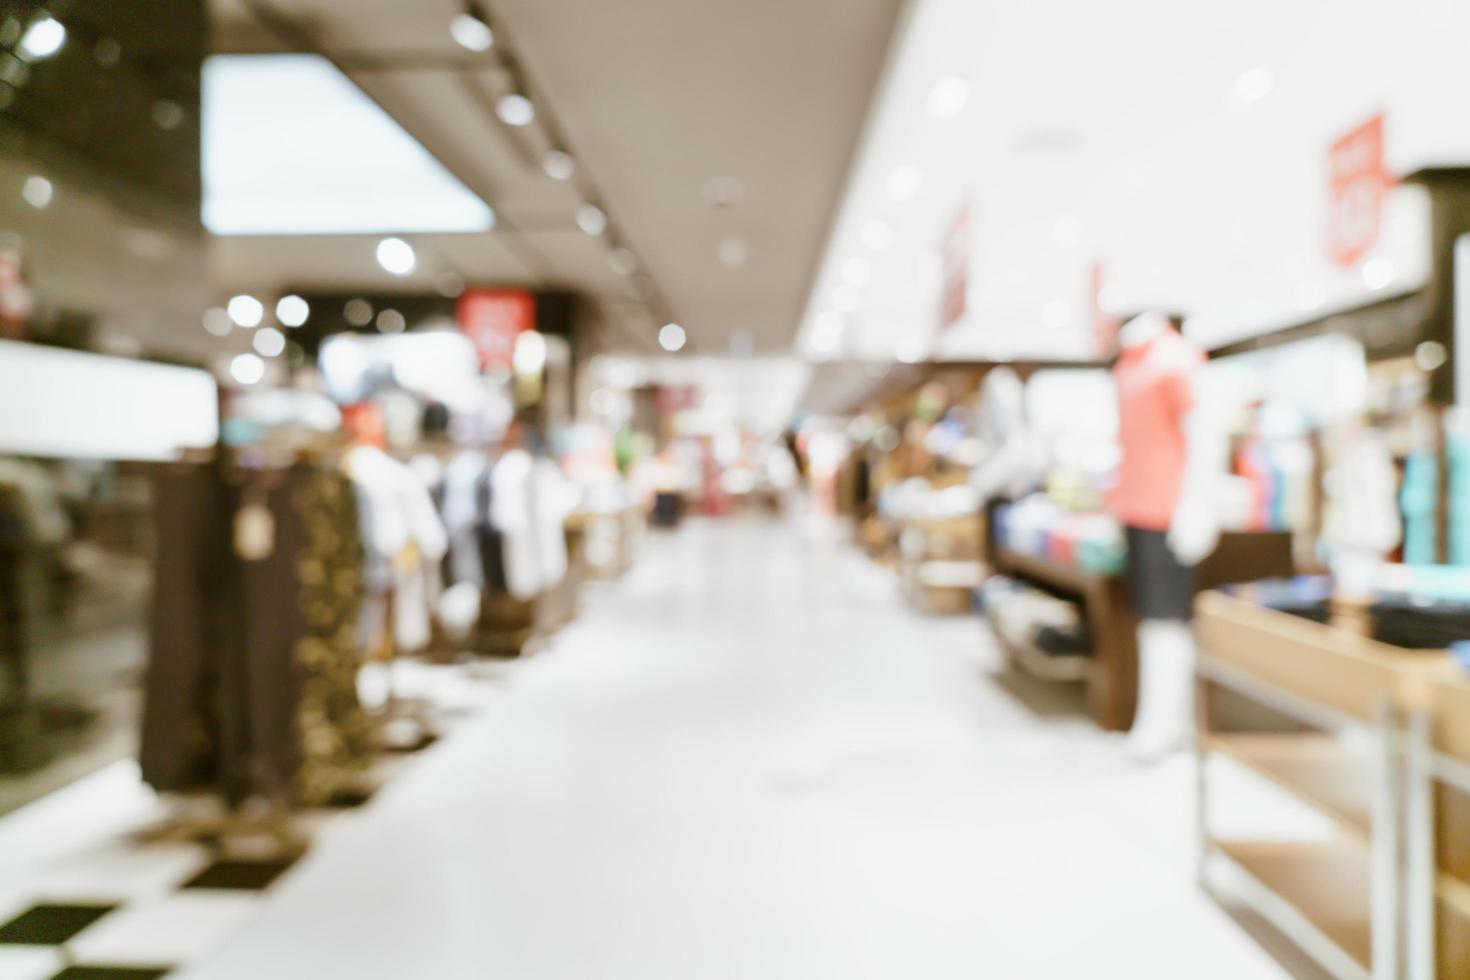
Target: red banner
pixel 492 319
pixel 955 267
pixel 1357 185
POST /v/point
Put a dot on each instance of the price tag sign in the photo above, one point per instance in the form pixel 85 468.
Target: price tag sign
pixel 1358 185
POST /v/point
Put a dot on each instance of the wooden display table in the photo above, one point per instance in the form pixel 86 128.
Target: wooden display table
pixel 1338 701
pixel 1438 832
pixel 1111 673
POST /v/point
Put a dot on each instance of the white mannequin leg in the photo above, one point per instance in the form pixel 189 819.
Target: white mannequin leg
pixel 1164 722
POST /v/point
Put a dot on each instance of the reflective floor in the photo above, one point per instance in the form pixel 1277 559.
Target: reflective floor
pixel 747 759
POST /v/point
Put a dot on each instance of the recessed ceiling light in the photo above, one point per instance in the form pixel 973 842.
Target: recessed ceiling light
pixel 1377 273
pixel 391 321
pixel 558 165
pixel 910 351
pixel 877 235
pixel 245 310
pixel 671 337
pixel 357 312
pixel 905 182
pixel 217 321
pixel 470 29
pixel 268 342
pixel 515 110
pixel 1430 355
pixel 396 256
pixel 43 38
pixel 292 310
pixel 530 353
pixel 37 191
pixel 1252 86
pixel 857 270
pixel 591 219
pixel 247 369
pixel 948 97
pixel 623 262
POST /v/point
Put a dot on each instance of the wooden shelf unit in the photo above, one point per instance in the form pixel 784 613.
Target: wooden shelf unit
pixel 1438 830
pixel 1342 900
pixel 1111 672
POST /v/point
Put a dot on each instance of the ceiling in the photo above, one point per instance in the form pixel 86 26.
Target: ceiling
pixel 715 136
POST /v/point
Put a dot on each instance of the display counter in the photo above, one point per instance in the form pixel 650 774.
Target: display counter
pixel 1319 712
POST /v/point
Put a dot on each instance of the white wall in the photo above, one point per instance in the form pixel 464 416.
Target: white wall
pixel 1112 131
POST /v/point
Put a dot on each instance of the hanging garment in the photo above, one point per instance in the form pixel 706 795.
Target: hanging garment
pixel 405 527
pixel 251 684
pixel 552 498
pixel 511 514
pixel 464 514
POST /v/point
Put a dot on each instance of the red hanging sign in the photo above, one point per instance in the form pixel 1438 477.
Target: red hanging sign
pixel 1357 185
pixel 955 268
pixel 492 319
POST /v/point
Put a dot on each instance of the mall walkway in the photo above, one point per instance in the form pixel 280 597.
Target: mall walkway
pixel 749 760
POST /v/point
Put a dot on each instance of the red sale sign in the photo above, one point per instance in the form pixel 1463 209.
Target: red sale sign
pixel 492 319
pixel 1357 185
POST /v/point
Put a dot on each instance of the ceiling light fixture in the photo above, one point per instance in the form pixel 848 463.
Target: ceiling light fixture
pixel 43 38
pixel 1377 273
pixel 247 369
pixel 529 357
pixel 515 110
pixel 558 165
pixel 948 97
pixel 217 321
pixel 471 28
pixel 733 251
pixel 671 337
pixel 245 310
pixel 1252 86
pixel 905 182
pixel 292 310
pixel 391 321
pixel 37 191
pixel 623 262
pixel 591 219
pixel 877 235
pixel 357 312
pixel 396 256
pixel 268 342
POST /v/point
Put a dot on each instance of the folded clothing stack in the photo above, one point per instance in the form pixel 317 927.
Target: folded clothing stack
pixel 1420 624
pixel 1025 616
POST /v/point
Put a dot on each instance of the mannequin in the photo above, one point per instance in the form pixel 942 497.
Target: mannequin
pixel 1172 456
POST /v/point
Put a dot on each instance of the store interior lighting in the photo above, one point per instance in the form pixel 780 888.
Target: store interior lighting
pixel 396 256
pixel 558 165
pixel 247 369
pixel 292 146
pixel 268 342
pixel 44 38
pixel 292 311
pixel 671 337
pixel 37 192
pixel 948 97
pixel 515 110
pixel 245 311
pixel 470 28
pixel 591 219
pixel 905 183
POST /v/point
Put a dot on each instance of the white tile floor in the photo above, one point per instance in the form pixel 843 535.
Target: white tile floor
pixel 745 760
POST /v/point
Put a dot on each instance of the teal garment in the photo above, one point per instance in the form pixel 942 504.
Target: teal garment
pixel 1459 464
pixel 1419 499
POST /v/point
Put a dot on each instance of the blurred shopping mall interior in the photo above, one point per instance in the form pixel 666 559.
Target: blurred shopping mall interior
pixel 693 489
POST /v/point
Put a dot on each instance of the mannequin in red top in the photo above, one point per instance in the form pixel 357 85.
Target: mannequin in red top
pixel 1172 456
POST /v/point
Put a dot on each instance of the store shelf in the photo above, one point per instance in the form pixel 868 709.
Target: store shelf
pixel 1318 894
pixel 1045 571
pixel 1315 768
pixel 1043 665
